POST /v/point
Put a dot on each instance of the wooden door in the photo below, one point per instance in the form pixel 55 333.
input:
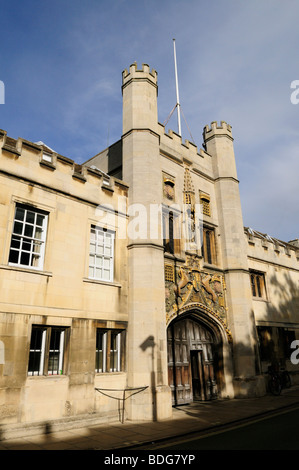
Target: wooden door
pixel 179 367
pixel 191 362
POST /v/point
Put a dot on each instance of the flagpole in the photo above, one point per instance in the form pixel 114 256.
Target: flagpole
pixel 177 90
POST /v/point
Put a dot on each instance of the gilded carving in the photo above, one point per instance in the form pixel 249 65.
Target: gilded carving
pixel 193 286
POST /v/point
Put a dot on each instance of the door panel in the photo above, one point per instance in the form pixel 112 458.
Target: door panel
pixel 179 361
pixel 190 362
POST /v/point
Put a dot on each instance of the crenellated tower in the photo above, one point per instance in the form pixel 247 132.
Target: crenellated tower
pixel 218 141
pixel 147 347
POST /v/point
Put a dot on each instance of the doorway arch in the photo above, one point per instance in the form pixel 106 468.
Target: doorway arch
pixel 195 363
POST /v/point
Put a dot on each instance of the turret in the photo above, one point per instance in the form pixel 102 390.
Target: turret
pixel 141 170
pixel 140 90
pixel 218 142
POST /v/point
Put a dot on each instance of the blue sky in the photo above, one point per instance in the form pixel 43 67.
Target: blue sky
pixel 61 63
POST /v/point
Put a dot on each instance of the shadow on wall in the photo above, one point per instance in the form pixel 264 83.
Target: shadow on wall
pixel 288 296
pixel 149 344
pixel 276 341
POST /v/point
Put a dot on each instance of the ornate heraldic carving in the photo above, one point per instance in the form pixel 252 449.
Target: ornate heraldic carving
pixel 190 287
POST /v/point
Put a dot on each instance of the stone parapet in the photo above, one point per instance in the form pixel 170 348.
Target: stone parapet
pixel 145 73
pixel 217 130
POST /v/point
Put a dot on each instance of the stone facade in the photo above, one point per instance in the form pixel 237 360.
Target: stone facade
pixel 139 263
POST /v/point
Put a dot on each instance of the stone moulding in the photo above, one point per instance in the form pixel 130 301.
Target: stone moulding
pixel 203 308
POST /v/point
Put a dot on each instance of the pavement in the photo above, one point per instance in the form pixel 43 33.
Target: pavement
pixel 198 417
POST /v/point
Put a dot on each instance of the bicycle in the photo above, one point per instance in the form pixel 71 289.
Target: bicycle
pixel 285 378
pixel 274 383
pixel 278 380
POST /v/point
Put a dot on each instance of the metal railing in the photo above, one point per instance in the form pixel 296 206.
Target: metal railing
pixel 123 398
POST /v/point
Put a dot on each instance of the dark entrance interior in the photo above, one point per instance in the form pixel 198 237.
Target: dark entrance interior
pixel 192 363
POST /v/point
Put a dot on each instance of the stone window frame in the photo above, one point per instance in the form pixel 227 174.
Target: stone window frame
pixel 97 266
pixel 43 353
pixel 25 244
pixel 171 219
pixel 208 247
pixel 110 350
pixel 205 201
pixel 258 284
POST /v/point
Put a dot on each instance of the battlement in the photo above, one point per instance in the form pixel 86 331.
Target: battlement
pixel 38 163
pixel 145 73
pixel 266 241
pixel 214 129
pixel 177 139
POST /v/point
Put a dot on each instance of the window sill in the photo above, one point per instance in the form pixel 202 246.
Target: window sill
pixel 109 374
pixel 175 257
pixel 105 283
pixel 11 267
pixel 211 266
pixel 47 377
pixel 260 299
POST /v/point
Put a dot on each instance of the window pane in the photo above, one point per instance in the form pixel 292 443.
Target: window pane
pixel 13 257
pixel 30 217
pixel 37 247
pixel 38 233
pixel 26 246
pixel 35 261
pixel 100 250
pixel 114 352
pixel 107 264
pixel 25 258
pixel 36 338
pixel 55 363
pixel 107 251
pixel 208 244
pixel 28 230
pixel 100 237
pixel 39 220
pixel 101 350
pixel 252 277
pixel 259 287
pixel 91 272
pixel 35 366
pixel 19 213
pixel 108 239
pixel 55 339
pixel 34 362
pixel 98 273
pixel 15 242
pixel 18 227
pixel 99 361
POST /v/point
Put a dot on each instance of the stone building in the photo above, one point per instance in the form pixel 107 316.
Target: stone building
pixel 132 276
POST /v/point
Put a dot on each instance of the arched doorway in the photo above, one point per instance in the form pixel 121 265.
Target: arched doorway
pixel 193 360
